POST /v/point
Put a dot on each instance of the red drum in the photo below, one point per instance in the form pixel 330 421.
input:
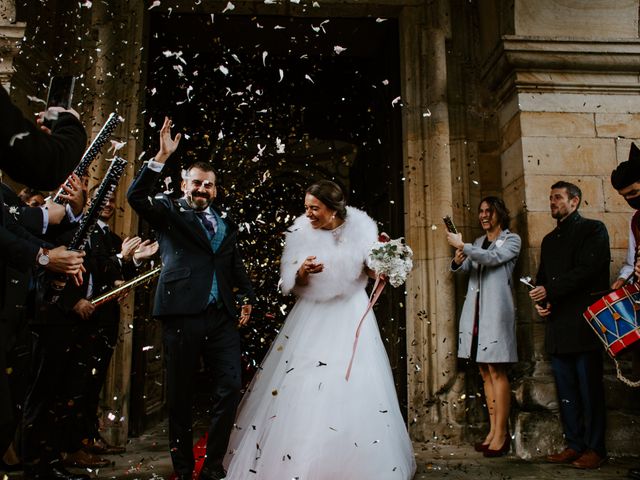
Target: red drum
pixel 614 318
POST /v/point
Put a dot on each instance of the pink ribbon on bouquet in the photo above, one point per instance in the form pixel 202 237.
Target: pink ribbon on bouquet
pixel 375 294
pixel 373 298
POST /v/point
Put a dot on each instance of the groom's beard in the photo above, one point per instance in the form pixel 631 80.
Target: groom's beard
pixel 198 201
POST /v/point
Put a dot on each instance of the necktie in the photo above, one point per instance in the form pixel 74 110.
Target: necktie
pixel 211 230
pixel 105 229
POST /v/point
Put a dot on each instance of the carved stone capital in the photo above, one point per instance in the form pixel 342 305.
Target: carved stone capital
pixel 11 35
pixel 569 65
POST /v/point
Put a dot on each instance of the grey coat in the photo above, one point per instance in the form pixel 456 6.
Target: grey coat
pixel 496 326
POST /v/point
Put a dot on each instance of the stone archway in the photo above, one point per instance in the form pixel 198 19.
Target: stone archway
pixel 433 382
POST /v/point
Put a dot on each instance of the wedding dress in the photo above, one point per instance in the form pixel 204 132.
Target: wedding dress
pixel 300 418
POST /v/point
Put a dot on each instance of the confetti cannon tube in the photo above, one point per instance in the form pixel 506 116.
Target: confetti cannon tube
pixel 92 152
pixel 56 283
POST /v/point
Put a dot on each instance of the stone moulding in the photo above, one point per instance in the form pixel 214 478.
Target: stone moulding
pixel 568 65
pixel 10 39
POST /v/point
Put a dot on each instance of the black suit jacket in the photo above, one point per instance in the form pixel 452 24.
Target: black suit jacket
pixel 188 260
pixel 33 157
pixel 574 263
pixel 40 161
pixel 102 264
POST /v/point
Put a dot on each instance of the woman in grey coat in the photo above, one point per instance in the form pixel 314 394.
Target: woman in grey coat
pixel 487 324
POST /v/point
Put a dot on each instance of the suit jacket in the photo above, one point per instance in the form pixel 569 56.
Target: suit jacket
pixel 40 161
pixel 33 157
pixel 574 263
pixel 188 260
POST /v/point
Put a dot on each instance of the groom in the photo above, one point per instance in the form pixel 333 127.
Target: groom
pixel 202 281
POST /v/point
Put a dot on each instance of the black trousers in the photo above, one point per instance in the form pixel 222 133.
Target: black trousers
pixel 91 354
pixel 581 398
pixel 7 426
pixel 51 409
pixel 211 335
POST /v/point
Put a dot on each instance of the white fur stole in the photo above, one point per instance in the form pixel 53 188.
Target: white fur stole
pixel 343 256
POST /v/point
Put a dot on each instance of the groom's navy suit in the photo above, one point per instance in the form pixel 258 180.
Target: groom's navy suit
pixel 195 326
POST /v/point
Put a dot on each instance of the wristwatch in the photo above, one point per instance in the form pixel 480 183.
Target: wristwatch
pixel 43 258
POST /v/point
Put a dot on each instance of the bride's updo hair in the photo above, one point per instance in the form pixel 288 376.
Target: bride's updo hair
pixel 331 195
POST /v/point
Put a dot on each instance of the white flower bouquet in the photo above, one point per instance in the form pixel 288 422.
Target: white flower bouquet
pixel 392 258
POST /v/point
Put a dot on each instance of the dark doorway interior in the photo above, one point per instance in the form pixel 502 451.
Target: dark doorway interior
pixel 275 103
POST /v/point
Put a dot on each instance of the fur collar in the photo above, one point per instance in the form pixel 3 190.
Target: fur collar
pixel 343 253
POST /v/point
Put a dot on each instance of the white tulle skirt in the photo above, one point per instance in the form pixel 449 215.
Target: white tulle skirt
pixel 300 418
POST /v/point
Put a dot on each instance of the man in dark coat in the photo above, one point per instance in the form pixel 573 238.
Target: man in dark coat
pixel 574 263
pixel 202 281
pixel 109 260
pixel 42 161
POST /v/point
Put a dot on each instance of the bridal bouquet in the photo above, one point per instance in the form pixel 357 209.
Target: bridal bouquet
pixel 392 258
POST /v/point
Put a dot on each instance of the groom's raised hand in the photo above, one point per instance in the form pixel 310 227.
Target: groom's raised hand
pixel 168 145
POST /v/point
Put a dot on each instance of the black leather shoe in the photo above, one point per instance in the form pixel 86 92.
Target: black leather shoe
pixel 54 471
pixel 216 473
pixel 634 473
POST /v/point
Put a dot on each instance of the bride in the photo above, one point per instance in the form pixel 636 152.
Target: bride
pixel 300 418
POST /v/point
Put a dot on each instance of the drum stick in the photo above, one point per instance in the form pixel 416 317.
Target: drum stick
pixel 629 278
pixel 609 290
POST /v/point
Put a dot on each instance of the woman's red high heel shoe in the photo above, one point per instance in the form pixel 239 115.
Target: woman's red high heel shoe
pixel 481 447
pixel 501 451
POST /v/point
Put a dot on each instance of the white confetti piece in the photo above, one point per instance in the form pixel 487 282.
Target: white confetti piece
pixel 230 6
pixel 309 78
pixel 36 99
pixel 116 145
pixel 395 101
pixel 223 69
pixel 156 3
pixel 264 58
pixel 338 49
pixel 17 136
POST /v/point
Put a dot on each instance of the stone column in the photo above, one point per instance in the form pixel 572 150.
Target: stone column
pixel 118 30
pixel 434 385
pixel 566 89
pixel 11 33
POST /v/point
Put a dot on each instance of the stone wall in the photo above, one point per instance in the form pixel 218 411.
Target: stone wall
pixel 558 98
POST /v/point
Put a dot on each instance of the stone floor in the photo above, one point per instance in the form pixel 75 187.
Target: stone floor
pixel 147 458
